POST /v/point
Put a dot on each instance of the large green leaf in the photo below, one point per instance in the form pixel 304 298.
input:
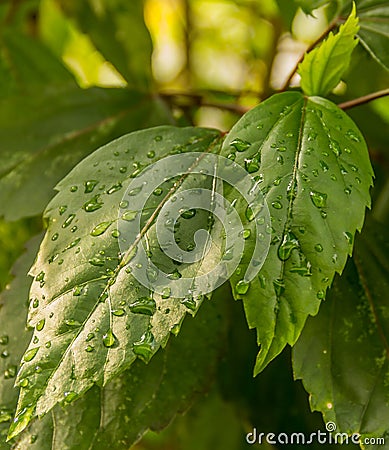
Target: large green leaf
pixel 322 68
pixel 13 337
pixel 143 397
pixel 91 316
pixel 347 343
pixel 117 29
pixel 313 164
pixel 59 127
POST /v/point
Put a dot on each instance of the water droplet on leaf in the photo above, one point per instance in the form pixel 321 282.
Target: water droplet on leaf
pixel 30 354
pixel 109 339
pixel 144 305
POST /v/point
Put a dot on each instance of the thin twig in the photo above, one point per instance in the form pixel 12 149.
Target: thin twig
pixel 362 100
pixel 197 100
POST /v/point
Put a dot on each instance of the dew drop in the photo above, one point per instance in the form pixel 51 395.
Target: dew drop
pixel 54 237
pixel 135 191
pixel 68 221
pixel 129 215
pixel 320 295
pixel 157 191
pixel 319 199
pixel 151 154
pixel 62 209
pixel 100 228
pixel 93 204
pixel 276 205
pixel 252 165
pixel 252 211
pixel 175 275
pixel 335 147
pixel 89 348
pixel 89 337
pixel 109 339
pixel 166 293
pixel 280 159
pixel 40 325
pixel 353 136
pixel 190 303
pixel 89 186
pixel 98 262
pixel 4 339
pixel 288 244
pixel 30 354
pixel 24 382
pixel 118 312
pixel 145 347
pixel 240 145
pixel 70 396
pixel 115 233
pixel 72 244
pixel 319 248
pixel 349 237
pixel 72 323
pixel 188 214
pixel 242 287
pixel 114 188
pixel 144 305
pixel 323 165
pixel 246 233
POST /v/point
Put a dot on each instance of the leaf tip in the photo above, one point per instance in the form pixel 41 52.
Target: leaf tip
pixel 20 422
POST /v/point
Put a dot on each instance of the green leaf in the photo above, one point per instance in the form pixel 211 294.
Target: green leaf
pixel 313 162
pixel 347 343
pixel 13 338
pixel 143 397
pixel 322 68
pixel 60 126
pixel 374 29
pixel 29 64
pixel 91 315
pixel 128 47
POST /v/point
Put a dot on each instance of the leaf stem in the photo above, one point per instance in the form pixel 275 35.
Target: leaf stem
pixel 364 99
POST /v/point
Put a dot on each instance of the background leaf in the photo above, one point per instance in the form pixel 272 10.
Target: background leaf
pixel 143 397
pixel 60 127
pixel 322 68
pixel 347 343
pixel 91 317
pixel 312 162
pixel 129 47
pixel 13 312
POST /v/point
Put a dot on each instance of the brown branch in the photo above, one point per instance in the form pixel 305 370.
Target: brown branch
pixel 197 100
pixel 362 100
pixel 330 27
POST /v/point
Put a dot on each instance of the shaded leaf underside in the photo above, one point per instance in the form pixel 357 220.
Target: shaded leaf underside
pixel 347 343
